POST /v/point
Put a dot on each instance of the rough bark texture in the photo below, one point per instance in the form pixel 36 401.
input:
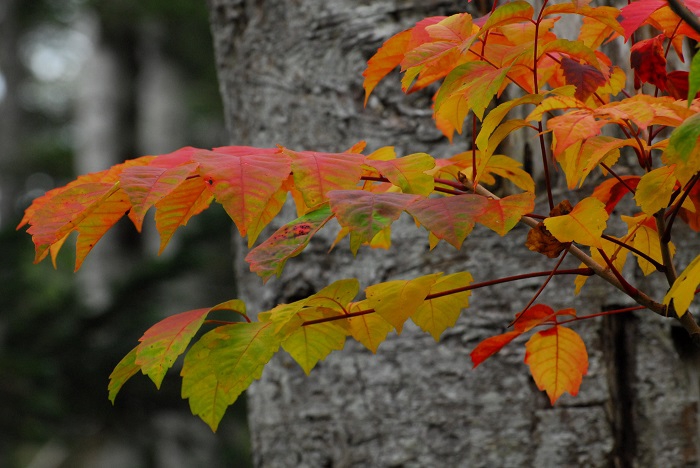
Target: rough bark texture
pixel 290 74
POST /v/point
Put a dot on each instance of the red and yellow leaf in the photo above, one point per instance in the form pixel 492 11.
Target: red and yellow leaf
pixel 449 218
pixel 558 361
pixel 268 258
pixel 490 346
pixel 503 214
pixel 245 184
pixel 388 57
pixel 407 173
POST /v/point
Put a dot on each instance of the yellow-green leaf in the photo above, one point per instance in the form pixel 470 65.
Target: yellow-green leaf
pixel 396 301
pixel 222 364
pixel 126 368
pixel 369 329
pixel 312 343
pixel 655 189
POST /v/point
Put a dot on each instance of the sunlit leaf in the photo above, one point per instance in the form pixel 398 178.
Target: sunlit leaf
pixel 655 189
pixel 388 57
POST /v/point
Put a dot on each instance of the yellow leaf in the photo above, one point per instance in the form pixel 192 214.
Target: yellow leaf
pixel 655 188
pixel 312 343
pixel 369 329
pixel 645 238
pixel 396 301
pixel 558 361
pixel 436 315
pixel 683 290
pixel 584 224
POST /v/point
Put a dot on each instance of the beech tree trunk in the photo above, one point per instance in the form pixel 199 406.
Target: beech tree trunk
pixel 290 74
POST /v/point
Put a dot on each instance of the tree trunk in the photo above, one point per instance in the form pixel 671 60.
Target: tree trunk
pixel 290 74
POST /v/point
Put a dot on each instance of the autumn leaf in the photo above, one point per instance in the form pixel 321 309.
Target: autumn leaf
pixel 585 223
pixel 245 184
pixel 645 238
pixel 503 214
pixel 437 314
pixel 611 190
pixel 165 341
pixel 313 343
pixel 408 173
pixel 365 213
pixel 290 240
pixel 396 301
pixel 123 371
pixel 558 361
pixel 655 189
pixel 146 185
pixel 585 77
pixel 449 218
pixel 189 199
pixel 490 346
pixel 682 291
pixel 388 57
pixel 369 329
pixel 649 62
pixel 316 174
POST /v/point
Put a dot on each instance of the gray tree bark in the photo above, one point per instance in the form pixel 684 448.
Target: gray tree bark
pixel 290 74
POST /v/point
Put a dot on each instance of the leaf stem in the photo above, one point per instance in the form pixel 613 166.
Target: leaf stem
pixel 646 257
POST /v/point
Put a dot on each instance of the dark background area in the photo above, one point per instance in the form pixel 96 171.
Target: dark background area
pixel 85 84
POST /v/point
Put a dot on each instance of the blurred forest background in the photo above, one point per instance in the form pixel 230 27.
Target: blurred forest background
pixel 85 84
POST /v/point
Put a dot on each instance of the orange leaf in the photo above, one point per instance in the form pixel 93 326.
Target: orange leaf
pixel 503 214
pixel 558 361
pixel 388 57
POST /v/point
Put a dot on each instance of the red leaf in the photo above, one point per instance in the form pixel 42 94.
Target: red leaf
pixel 649 62
pixel 585 77
pixel 491 346
pixel 612 190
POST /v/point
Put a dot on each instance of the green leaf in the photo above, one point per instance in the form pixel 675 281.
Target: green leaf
pixel 408 173
pixel 126 368
pixel 222 364
pixel 682 149
pixel 694 78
